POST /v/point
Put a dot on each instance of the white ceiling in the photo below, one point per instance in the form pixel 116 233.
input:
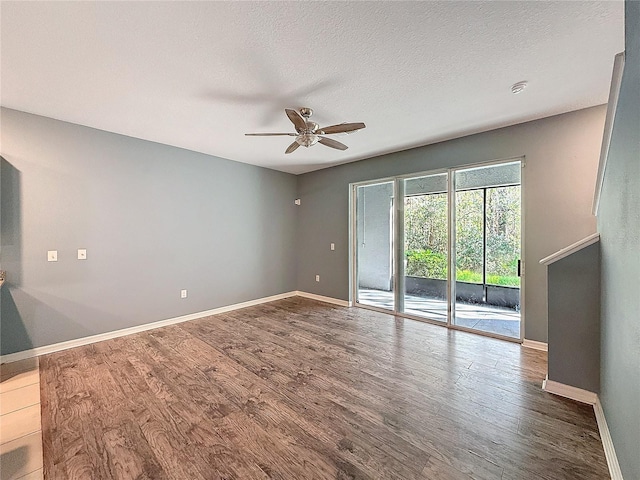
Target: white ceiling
pixel 199 75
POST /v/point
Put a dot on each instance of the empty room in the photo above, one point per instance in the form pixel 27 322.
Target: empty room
pixel 320 240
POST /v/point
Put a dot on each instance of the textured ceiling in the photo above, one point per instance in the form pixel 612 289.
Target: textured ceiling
pixel 199 75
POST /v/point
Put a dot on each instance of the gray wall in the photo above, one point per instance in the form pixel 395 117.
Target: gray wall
pixel 154 220
pixel 619 226
pixel 574 319
pixel 561 154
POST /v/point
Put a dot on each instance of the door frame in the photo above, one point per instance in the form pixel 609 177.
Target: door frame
pixel 353 242
pixel 452 245
pixel 397 227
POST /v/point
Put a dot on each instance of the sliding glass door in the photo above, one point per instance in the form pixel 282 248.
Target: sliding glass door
pixel 486 246
pixel 424 230
pixel 374 245
pixel 447 251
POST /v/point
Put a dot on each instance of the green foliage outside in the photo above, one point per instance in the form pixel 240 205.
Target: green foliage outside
pixel 426 236
pixel 427 264
pixel 474 277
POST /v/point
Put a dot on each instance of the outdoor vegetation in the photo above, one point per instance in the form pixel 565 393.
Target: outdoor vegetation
pixel 426 235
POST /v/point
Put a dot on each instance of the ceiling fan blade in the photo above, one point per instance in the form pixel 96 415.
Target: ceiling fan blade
pixel 292 147
pixel 330 142
pixel 296 119
pixel 343 128
pixel 269 134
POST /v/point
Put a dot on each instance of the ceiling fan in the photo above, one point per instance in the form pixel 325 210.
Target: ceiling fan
pixel 309 133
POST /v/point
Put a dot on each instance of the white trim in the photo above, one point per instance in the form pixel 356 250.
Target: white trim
pixel 567 391
pixel 535 345
pixel 56 347
pixel 571 249
pixel 612 104
pixel 353 269
pixel 322 298
pixel 523 249
pixel 607 442
pixel 451 247
pixel 590 398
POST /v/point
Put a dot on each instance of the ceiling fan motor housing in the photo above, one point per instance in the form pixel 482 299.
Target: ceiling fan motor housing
pixel 306 112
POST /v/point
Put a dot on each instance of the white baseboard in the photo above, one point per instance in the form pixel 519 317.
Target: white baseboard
pixel 56 347
pixel 591 398
pixel 535 345
pixel 322 298
pixel 567 391
pixel 607 442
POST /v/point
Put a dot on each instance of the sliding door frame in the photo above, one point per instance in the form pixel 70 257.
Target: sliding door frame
pixel 353 234
pixel 453 249
pixel 398 246
pixel 400 179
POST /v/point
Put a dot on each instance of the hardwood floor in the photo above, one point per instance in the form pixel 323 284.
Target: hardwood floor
pixel 298 389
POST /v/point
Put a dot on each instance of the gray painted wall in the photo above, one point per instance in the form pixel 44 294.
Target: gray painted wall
pixel 561 154
pixel 574 319
pixel 619 226
pixel 154 220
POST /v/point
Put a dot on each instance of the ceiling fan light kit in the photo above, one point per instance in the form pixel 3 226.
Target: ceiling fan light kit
pixel 309 133
pixel 307 139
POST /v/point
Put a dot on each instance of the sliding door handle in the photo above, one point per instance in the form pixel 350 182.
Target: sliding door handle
pixel 519 268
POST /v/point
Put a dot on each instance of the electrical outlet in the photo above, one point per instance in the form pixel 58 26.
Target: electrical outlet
pixel 333 246
pixel 82 254
pixel 317 278
pixel 183 294
pixel 297 201
pixel 52 256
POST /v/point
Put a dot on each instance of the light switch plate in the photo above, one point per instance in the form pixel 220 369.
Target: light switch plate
pixel 52 256
pixel 82 254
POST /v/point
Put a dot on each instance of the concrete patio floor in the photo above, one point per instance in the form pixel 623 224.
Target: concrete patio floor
pixel 492 319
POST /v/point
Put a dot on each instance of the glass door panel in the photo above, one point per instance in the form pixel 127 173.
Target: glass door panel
pixel 469 255
pixel 487 249
pixel 374 245
pixel 447 250
pixel 425 228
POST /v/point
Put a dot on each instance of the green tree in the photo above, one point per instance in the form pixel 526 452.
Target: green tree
pixel 503 232
pixel 425 219
pixel 426 235
pixel 469 227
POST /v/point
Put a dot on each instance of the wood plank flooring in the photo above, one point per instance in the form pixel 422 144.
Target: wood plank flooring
pixel 299 389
